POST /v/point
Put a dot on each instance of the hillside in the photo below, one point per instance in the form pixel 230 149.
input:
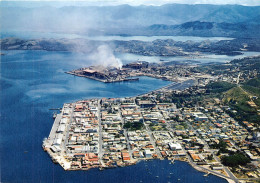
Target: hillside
pixel 199 28
pixel 245 100
pixel 253 87
pixel 218 87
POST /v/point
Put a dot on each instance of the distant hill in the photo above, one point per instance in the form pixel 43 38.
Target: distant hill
pixel 198 28
pixel 125 19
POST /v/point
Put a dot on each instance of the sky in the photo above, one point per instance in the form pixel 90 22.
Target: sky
pixel 154 2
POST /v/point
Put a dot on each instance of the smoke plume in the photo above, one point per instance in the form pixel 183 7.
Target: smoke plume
pixel 105 57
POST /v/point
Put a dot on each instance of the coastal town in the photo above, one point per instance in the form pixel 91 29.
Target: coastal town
pixel 130 91
pixel 116 132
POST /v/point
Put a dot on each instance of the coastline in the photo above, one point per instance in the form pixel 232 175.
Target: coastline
pixel 207 172
pixel 229 180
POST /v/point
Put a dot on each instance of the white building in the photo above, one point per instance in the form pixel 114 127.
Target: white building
pixel 175 146
pixel 148 153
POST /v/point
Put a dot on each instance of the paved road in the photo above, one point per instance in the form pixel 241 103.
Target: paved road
pixel 54 128
pixel 68 128
pixel 231 175
pixel 125 134
pixel 100 140
pixel 153 140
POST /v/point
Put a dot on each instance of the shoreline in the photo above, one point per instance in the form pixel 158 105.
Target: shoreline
pixel 207 172
pixel 100 168
pixel 104 81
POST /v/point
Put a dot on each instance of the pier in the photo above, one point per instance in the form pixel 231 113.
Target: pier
pixel 103 80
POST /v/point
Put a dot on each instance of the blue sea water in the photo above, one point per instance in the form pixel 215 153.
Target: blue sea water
pixel 32 82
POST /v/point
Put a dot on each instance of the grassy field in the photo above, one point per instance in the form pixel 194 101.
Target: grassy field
pixel 253 87
pixel 238 98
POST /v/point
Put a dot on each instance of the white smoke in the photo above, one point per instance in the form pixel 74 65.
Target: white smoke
pixel 105 57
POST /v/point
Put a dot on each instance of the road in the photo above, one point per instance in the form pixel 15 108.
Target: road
pixel 231 175
pixel 100 136
pixel 68 128
pixel 152 140
pixel 238 76
pixel 54 128
pixel 125 134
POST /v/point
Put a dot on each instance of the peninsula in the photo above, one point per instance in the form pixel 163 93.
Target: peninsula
pixel 171 71
pixel 197 124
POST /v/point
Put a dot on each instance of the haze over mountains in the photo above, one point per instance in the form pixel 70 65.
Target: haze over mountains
pixel 169 19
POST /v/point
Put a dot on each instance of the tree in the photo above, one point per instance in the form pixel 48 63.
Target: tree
pixel 235 160
pixel 210 157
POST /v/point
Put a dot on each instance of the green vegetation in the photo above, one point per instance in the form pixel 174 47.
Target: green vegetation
pixel 244 64
pixel 238 100
pixel 254 83
pixel 238 97
pixel 179 127
pixel 248 63
pixel 134 126
pixel 235 160
pixel 214 89
pixel 163 100
pixel 210 157
pixel 186 100
pixel 222 146
pixel 158 127
pixel 253 87
pixel 218 87
pixel 216 69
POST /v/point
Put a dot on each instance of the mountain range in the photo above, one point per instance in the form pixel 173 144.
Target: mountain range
pixel 169 19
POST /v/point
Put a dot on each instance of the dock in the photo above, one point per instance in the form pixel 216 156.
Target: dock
pixel 103 80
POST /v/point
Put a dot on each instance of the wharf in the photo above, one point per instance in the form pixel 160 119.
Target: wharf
pixel 103 80
pixel 54 128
